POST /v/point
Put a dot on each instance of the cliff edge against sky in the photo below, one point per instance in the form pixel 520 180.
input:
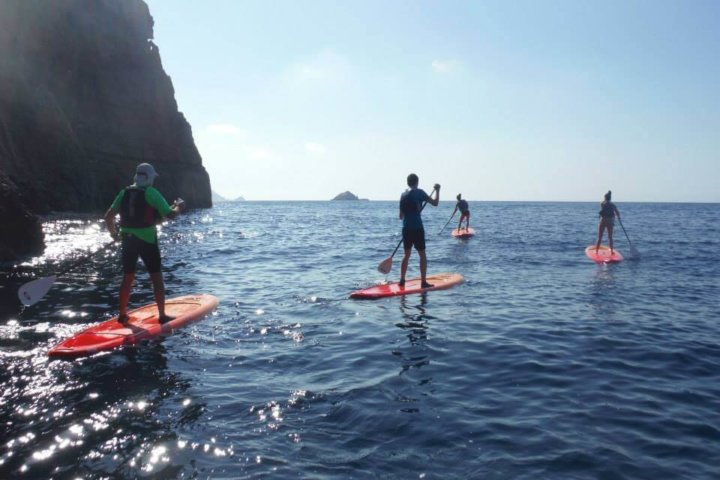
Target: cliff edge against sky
pixel 84 99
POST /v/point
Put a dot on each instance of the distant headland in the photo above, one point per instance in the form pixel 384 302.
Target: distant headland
pixel 217 198
pixel 348 196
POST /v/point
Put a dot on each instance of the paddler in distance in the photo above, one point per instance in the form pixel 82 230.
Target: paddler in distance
pixel 608 211
pixel 462 205
pixel 413 232
pixel 141 208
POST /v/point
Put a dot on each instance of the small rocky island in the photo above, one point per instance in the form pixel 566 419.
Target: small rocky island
pixel 348 196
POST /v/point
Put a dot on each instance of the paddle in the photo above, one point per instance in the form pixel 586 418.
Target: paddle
pixel 386 264
pixel 448 222
pixel 633 251
pixel 30 293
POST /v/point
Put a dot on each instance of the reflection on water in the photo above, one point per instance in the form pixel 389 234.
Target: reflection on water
pixel 415 318
pixel 603 293
pixel 112 412
pixel 416 322
pixel 66 239
pixel 542 364
pixel 115 412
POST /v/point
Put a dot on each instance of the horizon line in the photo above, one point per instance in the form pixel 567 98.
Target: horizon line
pixel 485 201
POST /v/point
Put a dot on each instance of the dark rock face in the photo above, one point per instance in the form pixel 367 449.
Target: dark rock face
pixel 83 100
pixel 21 231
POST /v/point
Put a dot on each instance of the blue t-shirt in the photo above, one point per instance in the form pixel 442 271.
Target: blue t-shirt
pixel 410 205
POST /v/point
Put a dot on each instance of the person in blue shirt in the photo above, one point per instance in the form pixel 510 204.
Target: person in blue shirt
pixel 462 205
pixel 411 204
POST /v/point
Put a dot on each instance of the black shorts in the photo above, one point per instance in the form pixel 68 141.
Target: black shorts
pixel 414 238
pixel 133 247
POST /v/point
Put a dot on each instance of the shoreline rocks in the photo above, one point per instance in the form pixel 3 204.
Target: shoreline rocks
pixel 21 233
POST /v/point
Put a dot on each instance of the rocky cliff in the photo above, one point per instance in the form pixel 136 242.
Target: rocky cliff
pixel 84 99
pixel 20 230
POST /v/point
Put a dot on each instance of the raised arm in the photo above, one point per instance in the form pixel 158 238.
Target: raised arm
pixel 434 201
pixel 158 202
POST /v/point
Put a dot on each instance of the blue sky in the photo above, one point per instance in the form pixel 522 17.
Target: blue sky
pixel 499 100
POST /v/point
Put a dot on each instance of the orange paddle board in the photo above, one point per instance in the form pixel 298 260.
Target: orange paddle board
pixel 143 324
pixel 440 281
pixel 463 233
pixel 603 255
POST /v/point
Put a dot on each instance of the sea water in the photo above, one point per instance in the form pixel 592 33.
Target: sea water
pixel 541 365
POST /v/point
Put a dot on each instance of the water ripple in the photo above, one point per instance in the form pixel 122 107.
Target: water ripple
pixel 541 365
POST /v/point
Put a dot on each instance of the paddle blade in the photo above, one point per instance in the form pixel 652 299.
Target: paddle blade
pixel 385 266
pixel 31 292
pixel 634 252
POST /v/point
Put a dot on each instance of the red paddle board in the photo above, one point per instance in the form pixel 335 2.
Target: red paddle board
pixel 463 233
pixel 441 281
pixel 143 324
pixel 603 255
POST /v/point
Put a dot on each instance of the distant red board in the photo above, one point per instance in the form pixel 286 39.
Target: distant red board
pixel 143 323
pixel 603 255
pixel 463 233
pixel 440 281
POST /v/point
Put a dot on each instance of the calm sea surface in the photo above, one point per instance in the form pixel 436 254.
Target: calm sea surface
pixel 542 365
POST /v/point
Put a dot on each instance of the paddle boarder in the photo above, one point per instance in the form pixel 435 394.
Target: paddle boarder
pixel 462 205
pixel 141 208
pixel 411 204
pixel 608 211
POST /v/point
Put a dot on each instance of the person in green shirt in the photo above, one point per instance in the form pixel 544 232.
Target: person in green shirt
pixel 141 207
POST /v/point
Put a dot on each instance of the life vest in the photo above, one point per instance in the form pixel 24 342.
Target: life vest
pixel 607 210
pixel 135 212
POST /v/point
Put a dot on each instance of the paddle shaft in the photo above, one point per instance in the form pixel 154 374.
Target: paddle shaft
pixel 75 263
pixel 625 232
pixel 400 242
pixel 31 292
pixel 396 249
pixel 448 222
